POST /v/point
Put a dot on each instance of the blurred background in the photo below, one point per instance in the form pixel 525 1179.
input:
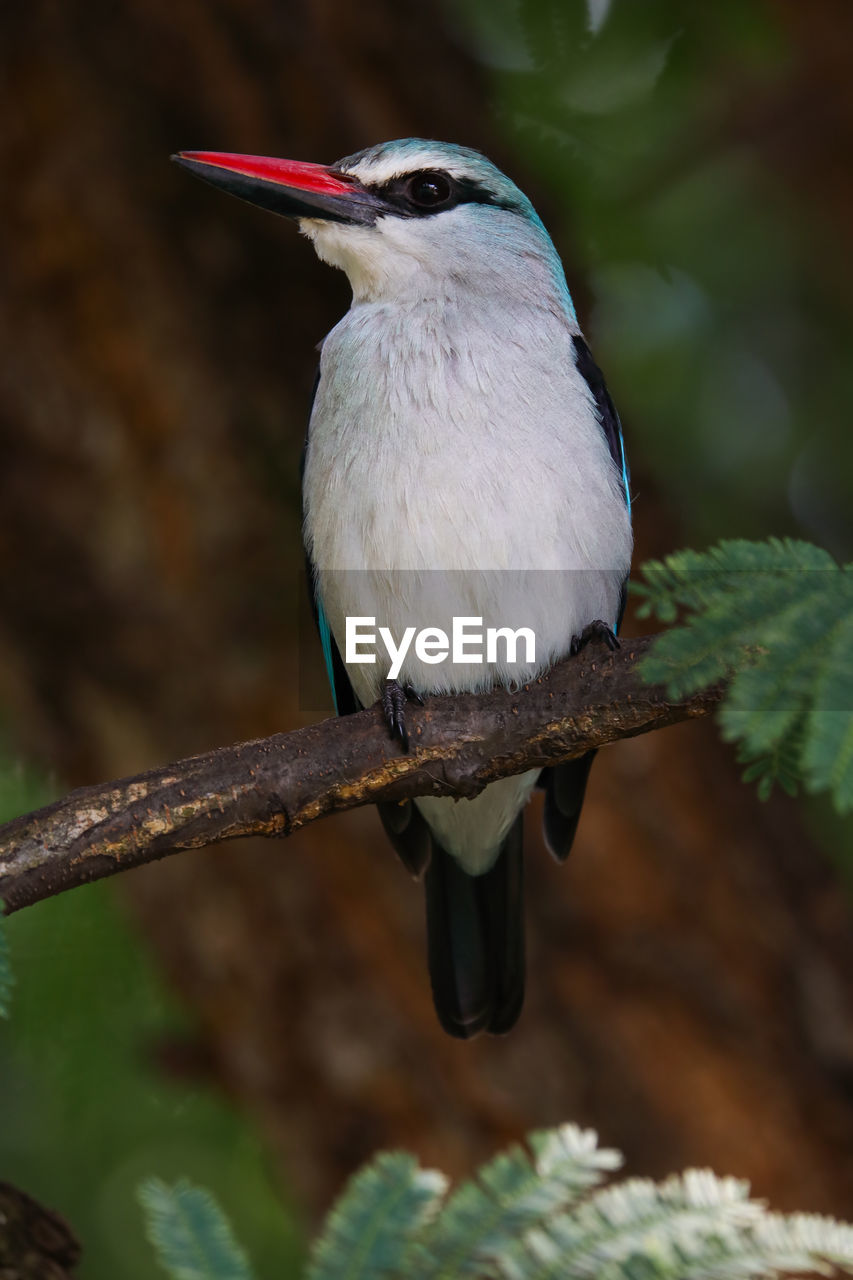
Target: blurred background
pixel 257 1016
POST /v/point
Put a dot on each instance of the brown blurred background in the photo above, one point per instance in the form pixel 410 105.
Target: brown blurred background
pixel 690 990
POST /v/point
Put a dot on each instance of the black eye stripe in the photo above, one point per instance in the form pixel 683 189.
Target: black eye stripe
pixel 431 191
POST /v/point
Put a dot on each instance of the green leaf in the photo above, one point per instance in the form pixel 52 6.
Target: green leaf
pixel 828 752
pixel 190 1233
pixel 542 1218
pixel 369 1231
pixel 766 699
pixel 778 765
pixel 692 1226
pixel 509 1196
pixel 774 619
pixel 7 978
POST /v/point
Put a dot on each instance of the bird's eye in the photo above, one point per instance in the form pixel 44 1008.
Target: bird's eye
pixel 429 190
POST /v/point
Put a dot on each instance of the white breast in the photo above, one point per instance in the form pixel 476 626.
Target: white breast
pixel 454 471
pixel 455 467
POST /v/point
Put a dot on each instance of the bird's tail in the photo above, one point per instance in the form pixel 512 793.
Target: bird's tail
pixel 475 940
pixel 564 786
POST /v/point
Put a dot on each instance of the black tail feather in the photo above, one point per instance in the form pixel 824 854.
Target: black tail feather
pixel 409 834
pixel 504 889
pixel 475 940
pixel 565 786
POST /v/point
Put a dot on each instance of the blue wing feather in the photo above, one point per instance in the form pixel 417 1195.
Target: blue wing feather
pixel 326 642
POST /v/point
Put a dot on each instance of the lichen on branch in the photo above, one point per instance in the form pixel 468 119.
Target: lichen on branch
pixel 273 786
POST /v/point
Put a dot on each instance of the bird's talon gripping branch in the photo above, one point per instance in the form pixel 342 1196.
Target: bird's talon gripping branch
pixel 393 698
pixel 596 630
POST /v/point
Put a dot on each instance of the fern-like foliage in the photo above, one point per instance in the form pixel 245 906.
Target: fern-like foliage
pixel 775 619
pixel 508 1197
pixel 190 1233
pixel 693 1226
pixel 383 1207
pixel 7 980
pixel 538 1216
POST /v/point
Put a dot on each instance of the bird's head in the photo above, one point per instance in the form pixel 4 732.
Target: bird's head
pixel 402 219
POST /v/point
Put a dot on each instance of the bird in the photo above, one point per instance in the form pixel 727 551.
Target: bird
pixel 463 460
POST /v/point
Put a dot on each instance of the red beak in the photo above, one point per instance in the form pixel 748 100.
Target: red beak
pixel 289 187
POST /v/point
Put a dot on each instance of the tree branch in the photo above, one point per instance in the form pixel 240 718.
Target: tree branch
pixel 273 786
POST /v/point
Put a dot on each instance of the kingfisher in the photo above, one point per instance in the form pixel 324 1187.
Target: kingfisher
pixel 463 461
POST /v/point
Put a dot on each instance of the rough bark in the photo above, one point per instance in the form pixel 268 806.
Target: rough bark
pixel 274 786
pixel 35 1243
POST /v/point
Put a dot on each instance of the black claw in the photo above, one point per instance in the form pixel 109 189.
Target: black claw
pixel 596 630
pixel 394 697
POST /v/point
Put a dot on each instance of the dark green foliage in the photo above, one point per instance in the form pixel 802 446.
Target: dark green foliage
pixel 21 789
pixel 7 980
pixel 702 287
pixel 775 619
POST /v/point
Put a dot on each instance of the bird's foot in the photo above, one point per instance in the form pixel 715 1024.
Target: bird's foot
pixel 596 630
pixel 394 698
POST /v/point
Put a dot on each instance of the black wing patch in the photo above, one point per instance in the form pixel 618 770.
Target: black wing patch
pixel 607 415
pixel 565 784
